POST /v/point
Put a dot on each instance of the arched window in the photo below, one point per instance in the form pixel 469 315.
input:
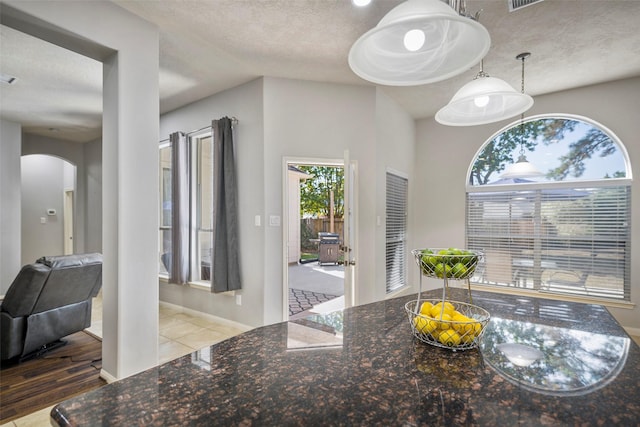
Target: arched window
pixel 548 201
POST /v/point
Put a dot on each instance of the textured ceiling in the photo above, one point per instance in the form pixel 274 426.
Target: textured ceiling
pixel 207 46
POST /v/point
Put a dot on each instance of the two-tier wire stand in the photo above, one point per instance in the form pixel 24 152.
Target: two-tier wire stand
pixel 445 323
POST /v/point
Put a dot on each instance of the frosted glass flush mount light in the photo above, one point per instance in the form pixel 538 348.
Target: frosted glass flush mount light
pixel 419 42
pixel 484 100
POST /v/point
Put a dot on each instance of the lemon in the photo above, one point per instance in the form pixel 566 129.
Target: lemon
pixel 444 322
pixel 450 338
pixel 425 326
pixel 467 338
pixel 476 327
pixel 425 308
pixel 437 309
pixel 461 324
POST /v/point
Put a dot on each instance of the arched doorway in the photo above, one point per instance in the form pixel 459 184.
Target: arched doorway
pixel 48 186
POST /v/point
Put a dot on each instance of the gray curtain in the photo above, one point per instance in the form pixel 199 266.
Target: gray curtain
pixel 226 252
pixel 179 259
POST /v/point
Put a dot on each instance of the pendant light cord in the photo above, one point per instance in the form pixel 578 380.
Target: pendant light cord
pixel 522 57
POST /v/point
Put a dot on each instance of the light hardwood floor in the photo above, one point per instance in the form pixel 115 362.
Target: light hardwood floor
pixel 181 332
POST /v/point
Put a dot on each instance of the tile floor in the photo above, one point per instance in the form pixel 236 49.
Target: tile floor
pixel 181 333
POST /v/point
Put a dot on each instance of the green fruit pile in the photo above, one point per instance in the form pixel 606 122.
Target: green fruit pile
pixel 452 263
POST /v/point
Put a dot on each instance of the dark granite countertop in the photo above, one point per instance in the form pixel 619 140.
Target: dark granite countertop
pixel 362 366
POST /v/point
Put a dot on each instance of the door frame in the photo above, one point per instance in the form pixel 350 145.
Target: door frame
pixel 68 245
pixel 286 161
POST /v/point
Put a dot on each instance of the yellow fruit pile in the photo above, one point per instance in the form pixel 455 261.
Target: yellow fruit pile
pixel 445 324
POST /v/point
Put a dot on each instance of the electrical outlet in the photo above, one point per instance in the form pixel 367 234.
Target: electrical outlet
pixel 238 299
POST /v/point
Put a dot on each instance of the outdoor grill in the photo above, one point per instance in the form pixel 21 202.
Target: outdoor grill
pixel 328 248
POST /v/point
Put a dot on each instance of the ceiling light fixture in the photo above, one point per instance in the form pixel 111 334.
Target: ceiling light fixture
pixel 361 3
pixel 521 168
pixel 420 42
pixel 483 100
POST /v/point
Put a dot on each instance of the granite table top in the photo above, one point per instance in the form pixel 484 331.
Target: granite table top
pixel 363 367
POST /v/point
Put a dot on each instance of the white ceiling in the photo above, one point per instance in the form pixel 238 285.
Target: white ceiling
pixel 207 46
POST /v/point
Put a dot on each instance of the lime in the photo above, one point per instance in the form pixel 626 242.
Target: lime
pixel 459 271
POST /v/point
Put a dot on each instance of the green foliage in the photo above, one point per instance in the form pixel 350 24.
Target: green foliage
pixel 497 153
pixel 315 192
pixel 573 162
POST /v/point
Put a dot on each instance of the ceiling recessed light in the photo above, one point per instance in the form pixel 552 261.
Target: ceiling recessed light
pixel 5 78
pixel 361 2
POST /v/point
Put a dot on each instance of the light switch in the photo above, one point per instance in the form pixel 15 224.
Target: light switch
pixel 257 221
pixel 43 220
pixel 274 221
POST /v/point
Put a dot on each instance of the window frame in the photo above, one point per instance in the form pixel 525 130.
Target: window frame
pixel 194 149
pixel 566 185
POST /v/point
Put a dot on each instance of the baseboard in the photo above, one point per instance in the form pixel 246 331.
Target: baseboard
pixel 211 317
pixel 107 376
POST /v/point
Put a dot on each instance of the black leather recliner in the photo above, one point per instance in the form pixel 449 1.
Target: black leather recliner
pixel 47 301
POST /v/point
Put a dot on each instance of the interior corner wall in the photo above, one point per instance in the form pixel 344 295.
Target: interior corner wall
pixel 444 154
pixel 245 103
pixel 10 201
pixel 395 147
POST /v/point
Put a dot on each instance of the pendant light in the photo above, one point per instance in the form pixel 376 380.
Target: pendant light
pixel 483 100
pixel 521 168
pixel 419 42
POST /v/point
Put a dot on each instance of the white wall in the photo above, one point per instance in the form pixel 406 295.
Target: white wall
pixel 91 195
pixel 245 103
pixel 318 120
pixel 396 136
pixel 42 189
pixel 281 118
pixel 73 153
pixel 130 186
pixel 10 223
pixel 443 156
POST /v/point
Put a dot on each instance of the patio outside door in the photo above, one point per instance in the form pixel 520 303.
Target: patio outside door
pixel 311 282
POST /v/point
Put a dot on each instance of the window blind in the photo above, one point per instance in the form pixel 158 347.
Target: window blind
pixel 563 240
pixel 396 231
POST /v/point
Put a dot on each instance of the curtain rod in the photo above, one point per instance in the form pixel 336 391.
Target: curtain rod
pixel 234 121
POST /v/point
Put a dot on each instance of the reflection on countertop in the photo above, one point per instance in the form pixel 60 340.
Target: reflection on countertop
pixel 362 366
pixel 566 362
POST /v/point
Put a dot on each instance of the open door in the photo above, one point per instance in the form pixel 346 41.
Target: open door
pixel 350 246
pixel 313 283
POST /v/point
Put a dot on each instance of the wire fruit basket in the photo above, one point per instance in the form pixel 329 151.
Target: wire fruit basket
pixel 448 324
pixel 449 263
pixel 441 322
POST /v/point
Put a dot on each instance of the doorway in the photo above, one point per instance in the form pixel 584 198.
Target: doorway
pixel 68 222
pixel 47 183
pixel 314 243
